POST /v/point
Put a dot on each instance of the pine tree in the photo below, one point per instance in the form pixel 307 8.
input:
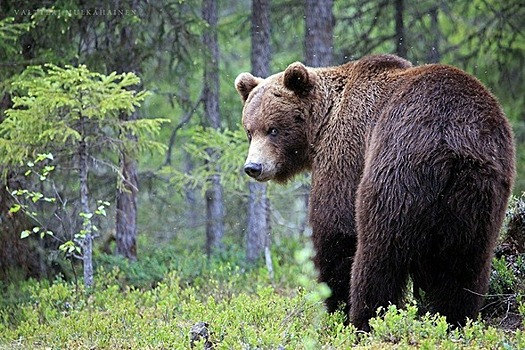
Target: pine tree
pixel 74 114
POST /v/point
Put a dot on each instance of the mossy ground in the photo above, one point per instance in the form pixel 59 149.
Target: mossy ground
pixel 155 302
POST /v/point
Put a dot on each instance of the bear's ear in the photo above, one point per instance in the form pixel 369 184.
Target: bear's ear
pixel 244 83
pixel 298 79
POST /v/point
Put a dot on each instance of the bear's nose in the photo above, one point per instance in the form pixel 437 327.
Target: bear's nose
pixel 253 169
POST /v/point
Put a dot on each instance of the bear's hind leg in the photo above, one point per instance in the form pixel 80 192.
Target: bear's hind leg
pixel 380 270
pixel 379 278
pixel 454 284
pixel 453 270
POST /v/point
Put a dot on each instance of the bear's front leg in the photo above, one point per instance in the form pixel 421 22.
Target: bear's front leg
pixel 334 252
pixel 334 236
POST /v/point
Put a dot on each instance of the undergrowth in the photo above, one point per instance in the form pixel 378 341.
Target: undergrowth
pixel 241 308
pixel 179 299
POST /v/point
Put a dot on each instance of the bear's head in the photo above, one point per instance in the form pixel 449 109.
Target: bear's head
pixel 274 116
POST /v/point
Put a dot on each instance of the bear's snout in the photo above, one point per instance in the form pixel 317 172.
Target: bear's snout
pixel 253 169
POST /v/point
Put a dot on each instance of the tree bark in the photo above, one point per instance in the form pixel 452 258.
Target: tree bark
pixel 319 21
pixel 214 193
pixel 401 49
pixel 434 56
pixel 126 213
pixel 214 215
pixel 87 241
pixel 258 230
pixel 126 59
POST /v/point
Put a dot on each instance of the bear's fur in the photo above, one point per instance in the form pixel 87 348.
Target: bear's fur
pixel 411 168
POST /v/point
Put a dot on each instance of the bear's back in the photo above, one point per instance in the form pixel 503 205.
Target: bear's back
pixel 440 112
pixel 444 95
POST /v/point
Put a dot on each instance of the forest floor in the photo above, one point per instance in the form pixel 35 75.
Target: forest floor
pixel 182 300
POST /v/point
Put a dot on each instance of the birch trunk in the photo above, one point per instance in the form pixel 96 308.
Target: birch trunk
pixel 87 230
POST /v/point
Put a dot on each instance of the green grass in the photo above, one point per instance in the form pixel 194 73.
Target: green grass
pixel 153 304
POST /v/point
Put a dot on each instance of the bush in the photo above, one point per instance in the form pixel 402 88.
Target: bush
pixel 507 281
pixel 157 301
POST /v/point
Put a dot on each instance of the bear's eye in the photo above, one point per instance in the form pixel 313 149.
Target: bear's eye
pixel 273 132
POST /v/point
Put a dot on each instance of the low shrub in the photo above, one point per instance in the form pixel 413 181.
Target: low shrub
pixel 175 299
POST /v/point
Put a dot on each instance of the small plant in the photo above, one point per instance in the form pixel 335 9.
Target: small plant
pixel 27 201
pixel 241 307
pixel 33 197
pixel 507 280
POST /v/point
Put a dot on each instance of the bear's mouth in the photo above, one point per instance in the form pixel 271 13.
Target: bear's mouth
pixel 263 178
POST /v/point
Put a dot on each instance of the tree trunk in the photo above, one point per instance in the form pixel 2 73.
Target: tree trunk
pixel 126 215
pixel 434 55
pixel 192 216
pixel 126 59
pixel 319 21
pixel 214 194
pixel 214 215
pixel 258 230
pixel 401 49
pixel 87 241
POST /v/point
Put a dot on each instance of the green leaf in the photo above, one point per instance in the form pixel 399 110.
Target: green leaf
pixel 36 196
pixel 25 234
pixel 67 247
pixel 48 168
pixel 86 215
pixel 43 156
pixel 101 210
pixel 15 208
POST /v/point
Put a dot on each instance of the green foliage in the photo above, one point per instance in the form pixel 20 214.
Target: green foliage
pixel 55 108
pixel 508 276
pixel 9 34
pixel 27 202
pixel 508 267
pixel 404 328
pixel 213 149
pixel 154 302
pixel 73 247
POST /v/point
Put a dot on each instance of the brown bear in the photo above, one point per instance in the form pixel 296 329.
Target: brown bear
pixel 411 168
